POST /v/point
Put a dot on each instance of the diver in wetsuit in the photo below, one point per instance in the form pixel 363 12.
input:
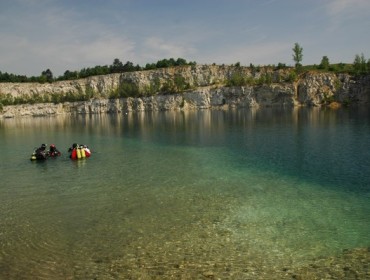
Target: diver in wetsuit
pixel 73 151
pixel 53 151
pixel 40 152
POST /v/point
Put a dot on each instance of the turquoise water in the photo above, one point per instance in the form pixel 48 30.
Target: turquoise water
pixel 229 194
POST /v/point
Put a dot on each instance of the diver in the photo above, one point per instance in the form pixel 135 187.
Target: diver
pixel 86 150
pixel 40 153
pixel 53 151
pixel 73 151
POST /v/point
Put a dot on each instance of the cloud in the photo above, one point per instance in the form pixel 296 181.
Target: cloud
pixel 58 39
pixel 67 35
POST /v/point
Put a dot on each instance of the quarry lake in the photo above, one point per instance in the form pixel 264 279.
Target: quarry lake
pixel 244 194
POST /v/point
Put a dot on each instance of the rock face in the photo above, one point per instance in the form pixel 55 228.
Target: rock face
pixel 203 87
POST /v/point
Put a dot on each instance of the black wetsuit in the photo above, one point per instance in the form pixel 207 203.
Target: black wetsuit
pixel 40 153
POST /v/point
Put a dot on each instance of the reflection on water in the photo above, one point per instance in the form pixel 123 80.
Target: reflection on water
pixel 244 194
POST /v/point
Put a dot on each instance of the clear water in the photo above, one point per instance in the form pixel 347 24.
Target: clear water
pixel 183 193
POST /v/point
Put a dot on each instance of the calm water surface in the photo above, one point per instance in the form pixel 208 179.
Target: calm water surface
pixel 192 194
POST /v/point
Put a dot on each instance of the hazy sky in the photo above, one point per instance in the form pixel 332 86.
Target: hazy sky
pixel 73 34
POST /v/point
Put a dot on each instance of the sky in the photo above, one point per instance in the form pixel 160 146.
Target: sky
pixel 62 35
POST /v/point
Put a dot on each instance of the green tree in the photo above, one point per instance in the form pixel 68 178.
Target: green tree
pixel 180 61
pixel 117 66
pixel 68 75
pixel 281 66
pixel 150 66
pixel 164 63
pixel 359 64
pixel 47 75
pixel 128 67
pixel 297 55
pixel 324 64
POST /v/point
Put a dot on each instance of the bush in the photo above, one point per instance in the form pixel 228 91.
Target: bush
pixel 292 77
pixel 236 79
pixel 153 88
pixel 113 94
pixel 6 99
pixel 180 83
pixel 70 97
pixel 168 87
pixel 337 84
pixel 128 89
pixel 56 98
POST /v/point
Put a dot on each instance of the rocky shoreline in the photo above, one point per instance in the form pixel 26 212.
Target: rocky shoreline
pixel 206 88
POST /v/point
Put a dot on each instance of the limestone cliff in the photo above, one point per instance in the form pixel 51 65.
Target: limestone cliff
pixel 181 88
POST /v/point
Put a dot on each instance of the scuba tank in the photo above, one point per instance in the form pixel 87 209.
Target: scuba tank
pixel 33 156
pixel 74 154
pixel 83 154
pixel 73 151
pixel 78 150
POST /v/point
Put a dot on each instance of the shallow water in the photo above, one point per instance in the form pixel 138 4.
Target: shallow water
pixel 238 194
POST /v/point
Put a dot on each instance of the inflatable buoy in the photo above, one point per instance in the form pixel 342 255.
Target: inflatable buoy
pixel 33 157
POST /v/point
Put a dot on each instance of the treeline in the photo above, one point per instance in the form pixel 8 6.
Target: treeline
pixel 360 66
pixel 116 67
